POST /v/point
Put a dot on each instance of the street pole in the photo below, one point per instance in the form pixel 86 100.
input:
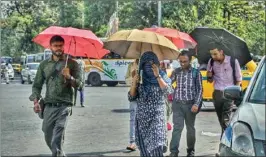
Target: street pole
pixel 159 13
pixel 116 9
pixel 1 39
pixel 83 14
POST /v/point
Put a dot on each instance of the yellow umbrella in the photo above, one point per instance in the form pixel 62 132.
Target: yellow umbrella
pixel 132 43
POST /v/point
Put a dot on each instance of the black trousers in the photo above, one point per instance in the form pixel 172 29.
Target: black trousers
pixel 223 108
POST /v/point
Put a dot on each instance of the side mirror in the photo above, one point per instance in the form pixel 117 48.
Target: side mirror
pixel 233 93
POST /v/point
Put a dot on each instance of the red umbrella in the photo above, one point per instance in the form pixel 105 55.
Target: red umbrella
pixel 180 39
pixel 100 53
pixel 78 42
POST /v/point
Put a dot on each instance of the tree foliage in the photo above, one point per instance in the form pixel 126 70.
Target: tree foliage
pixel 24 19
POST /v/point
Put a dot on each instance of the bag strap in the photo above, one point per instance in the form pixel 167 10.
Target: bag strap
pixel 212 61
pixel 233 65
pixel 54 73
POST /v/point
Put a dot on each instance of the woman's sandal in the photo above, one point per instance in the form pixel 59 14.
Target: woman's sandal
pixel 132 147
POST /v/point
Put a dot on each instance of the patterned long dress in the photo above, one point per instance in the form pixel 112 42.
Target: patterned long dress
pixel 150 120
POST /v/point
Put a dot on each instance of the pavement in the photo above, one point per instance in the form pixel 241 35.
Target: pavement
pixel 99 129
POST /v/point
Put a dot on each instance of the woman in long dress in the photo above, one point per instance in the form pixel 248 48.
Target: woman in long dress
pixel 149 93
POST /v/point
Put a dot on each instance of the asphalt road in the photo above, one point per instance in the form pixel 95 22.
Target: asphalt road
pixel 99 129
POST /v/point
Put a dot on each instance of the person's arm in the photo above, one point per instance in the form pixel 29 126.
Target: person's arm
pixel 132 94
pixel 164 81
pixel 37 85
pixel 199 89
pixel 74 77
pixel 173 76
pixel 238 73
pixel 209 72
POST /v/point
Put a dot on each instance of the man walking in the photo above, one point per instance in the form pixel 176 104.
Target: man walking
pixel 187 99
pixel 224 71
pixel 59 94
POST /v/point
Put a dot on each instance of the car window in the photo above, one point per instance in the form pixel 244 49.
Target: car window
pixel 258 92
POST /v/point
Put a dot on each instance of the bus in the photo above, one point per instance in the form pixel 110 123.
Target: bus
pixel 6 59
pixel 31 58
pixel 43 55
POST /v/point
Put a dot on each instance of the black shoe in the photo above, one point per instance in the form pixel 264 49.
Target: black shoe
pixel 173 155
pixel 190 152
pixel 82 105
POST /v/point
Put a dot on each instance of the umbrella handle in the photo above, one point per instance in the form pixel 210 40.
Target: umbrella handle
pixel 89 59
pixel 66 60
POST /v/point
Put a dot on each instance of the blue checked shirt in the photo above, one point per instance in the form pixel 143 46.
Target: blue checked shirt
pixel 188 88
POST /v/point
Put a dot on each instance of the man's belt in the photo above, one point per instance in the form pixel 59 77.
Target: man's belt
pixel 58 104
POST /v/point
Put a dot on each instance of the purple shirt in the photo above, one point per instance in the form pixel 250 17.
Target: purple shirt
pixel 223 73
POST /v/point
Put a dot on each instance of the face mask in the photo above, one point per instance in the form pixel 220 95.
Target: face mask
pixel 147 68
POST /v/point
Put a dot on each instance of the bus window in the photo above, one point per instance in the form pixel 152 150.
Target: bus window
pixel 39 58
pixel 30 59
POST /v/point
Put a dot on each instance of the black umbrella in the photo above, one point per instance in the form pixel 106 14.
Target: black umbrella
pixel 229 43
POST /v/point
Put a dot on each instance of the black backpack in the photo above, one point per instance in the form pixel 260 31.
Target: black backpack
pixel 232 63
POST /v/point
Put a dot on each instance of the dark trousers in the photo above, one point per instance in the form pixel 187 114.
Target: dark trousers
pixel 182 113
pixel 54 125
pixel 81 92
pixel 223 108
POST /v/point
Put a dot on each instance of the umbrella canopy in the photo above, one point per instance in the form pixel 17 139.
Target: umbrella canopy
pixel 132 43
pixel 231 44
pixel 78 42
pixel 180 39
pixel 97 53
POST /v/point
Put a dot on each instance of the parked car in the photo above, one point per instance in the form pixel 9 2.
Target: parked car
pixel 29 72
pixel 245 135
pixel 10 70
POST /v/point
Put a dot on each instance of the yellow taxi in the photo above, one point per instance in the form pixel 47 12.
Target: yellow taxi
pixel 17 67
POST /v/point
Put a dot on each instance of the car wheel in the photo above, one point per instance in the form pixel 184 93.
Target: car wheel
pixel 29 80
pixel 95 79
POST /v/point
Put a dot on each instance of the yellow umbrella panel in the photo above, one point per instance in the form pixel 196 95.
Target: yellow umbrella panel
pixel 132 43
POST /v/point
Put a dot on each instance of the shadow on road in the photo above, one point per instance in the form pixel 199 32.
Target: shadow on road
pixel 88 153
pixel 121 110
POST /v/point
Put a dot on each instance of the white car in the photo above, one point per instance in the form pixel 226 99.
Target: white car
pixel 29 72
pixel 10 70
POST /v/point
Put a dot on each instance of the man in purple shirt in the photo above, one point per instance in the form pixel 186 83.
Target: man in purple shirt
pixel 221 72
